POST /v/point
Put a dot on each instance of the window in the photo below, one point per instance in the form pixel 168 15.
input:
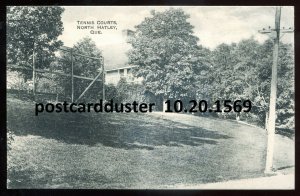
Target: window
pixel 121 72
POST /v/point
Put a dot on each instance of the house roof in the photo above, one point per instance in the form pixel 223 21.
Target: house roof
pixel 121 67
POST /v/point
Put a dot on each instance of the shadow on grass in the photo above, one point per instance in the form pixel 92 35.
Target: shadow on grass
pixel 118 130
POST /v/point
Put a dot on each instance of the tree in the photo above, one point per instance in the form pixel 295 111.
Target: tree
pixel 30 27
pixel 222 72
pixel 258 77
pixel 130 91
pixel 243 71
pixel 83 66
pixel 286 88
pixel 167 55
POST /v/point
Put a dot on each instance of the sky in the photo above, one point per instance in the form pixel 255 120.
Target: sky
pixel 213 25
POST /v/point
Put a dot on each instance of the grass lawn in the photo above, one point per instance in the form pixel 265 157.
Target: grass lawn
pixel 113 150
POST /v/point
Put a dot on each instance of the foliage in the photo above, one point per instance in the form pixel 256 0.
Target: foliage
pixel 129 92
pixel 31 27
pixel 243 71
pixel 167 54
pixel 111 92
pixel 175 67
pixel 15 81
pixel 83 66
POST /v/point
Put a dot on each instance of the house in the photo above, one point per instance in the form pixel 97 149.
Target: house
pixel 113 76
pixel 118 66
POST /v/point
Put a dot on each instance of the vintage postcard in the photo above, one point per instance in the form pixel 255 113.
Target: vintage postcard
pixel 150 97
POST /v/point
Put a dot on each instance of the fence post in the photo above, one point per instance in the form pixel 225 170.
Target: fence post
pixel 72 76
pixel 33 72
pixel 103 80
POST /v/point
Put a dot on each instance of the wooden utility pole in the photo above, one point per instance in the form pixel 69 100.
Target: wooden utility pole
pixel 272 107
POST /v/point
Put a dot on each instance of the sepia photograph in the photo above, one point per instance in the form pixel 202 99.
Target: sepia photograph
pixel 150 97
